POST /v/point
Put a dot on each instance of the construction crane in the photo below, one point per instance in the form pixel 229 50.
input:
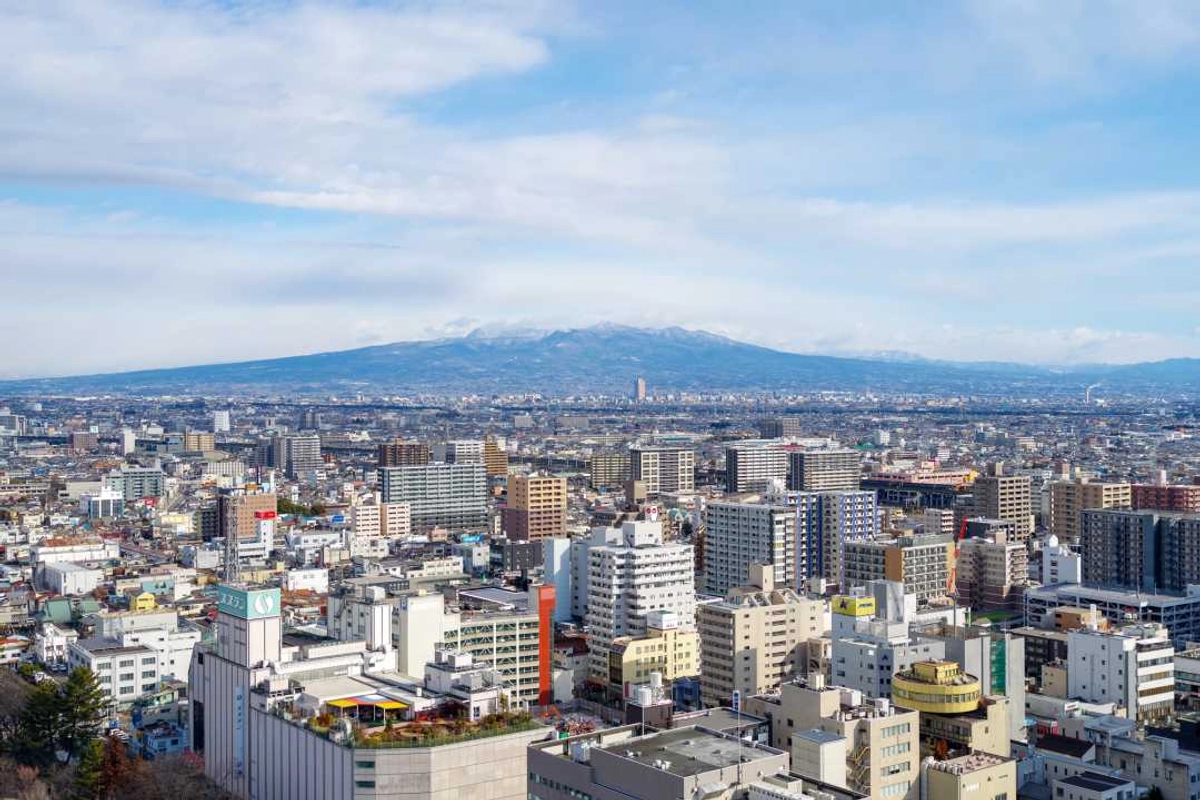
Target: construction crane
pixel 952 578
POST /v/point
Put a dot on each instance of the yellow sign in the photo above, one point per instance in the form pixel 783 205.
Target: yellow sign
pixel 853 606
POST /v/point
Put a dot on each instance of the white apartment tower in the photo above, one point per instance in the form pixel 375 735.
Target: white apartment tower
pixel 632 577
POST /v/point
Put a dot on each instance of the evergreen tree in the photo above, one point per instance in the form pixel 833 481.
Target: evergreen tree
pixel 89 774
pixel 83 708
pixel 39 726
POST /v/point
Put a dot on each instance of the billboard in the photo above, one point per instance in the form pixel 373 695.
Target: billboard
pixel 248 603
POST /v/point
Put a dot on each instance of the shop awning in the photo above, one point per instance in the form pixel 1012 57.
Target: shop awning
pixel 343 703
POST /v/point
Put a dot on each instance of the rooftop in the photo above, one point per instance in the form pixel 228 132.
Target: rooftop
pixel 1095 781
pixel 973 762
pixel 686 752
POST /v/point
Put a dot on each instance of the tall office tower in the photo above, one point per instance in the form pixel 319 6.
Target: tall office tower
pixel 403 454
pixel 199 441
pixel 663 469
pixel 824 470
pixel 639 388
pixel 129 442
pixel 825 521
pixel 1007 497
pixel 1140 550
pixel 763 619
pixel 297 454
pixel 1166 497
pixel 780 428
pixel 221 421
pixel 991 572
pixel 236 510
pixel 752 466
pixel 1068 498
pixel 632 577
pixel 450 496
pixel 135 482
pixel 741 535
pixel 537 507
pixel 495 459
pixel 921 563
pixel 459 451
pixel 310 420
pixel 610 469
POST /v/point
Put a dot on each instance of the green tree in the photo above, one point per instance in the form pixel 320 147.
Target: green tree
pixel 84 708
pixel 39 726
pixel 89 774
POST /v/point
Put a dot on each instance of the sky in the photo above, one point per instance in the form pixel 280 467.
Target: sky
pixel 187 182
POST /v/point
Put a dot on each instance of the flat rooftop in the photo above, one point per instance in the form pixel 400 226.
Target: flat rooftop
pixel 1094 781
pixel 689 751
pixel 964 765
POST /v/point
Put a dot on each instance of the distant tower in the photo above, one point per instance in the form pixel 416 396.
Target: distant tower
pixel 639 388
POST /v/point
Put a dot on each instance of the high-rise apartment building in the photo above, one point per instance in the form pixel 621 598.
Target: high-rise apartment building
pixel 741 535
pixel 632 577
pixel 639 389
pixel 459 451
pixel 780 428
pixel 403 454
pixel 609 469
pixel 1069 498
pixel 1140 550
pixel 537 507
pixel 992 572
pixel 495 458
pixel 825 521
pixel 921 563
pixel 82 441
pixel 663 469
pixel 755 638
pixel 237 510
pixel 1180 497
pixel 221 422
pixel 753 466
pixel 824 470
pixel 136 482
pixel 297 454
pixel 374 519
pixel 1007 497
pixel 452 496
pixel 199 441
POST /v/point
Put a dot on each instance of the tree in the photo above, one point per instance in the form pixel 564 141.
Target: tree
pixel 89 774
pixel 39 726
pixel 84 708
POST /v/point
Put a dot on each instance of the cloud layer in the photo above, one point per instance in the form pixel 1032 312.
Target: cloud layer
pixel 187 182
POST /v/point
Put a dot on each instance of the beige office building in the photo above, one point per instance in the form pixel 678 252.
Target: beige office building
pixel 756 637
pixel 978 776
pixel 1069 498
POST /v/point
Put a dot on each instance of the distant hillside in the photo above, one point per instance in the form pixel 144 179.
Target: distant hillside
pixel 605 359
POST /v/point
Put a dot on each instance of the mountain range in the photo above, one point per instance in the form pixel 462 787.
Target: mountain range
pixel 605 359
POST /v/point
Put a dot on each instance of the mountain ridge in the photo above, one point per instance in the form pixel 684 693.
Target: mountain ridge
pixel 604 359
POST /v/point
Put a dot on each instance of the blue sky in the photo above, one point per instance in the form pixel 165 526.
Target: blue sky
pixel 187 182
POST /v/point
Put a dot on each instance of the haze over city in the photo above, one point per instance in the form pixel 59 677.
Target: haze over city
pixel 968 181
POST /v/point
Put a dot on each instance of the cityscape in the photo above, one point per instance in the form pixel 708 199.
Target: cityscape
pixel 575 400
